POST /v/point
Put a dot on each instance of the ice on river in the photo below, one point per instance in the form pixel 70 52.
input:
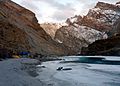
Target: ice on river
pixel 82 74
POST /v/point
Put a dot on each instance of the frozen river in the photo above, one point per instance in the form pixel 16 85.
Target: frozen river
pixel 86 71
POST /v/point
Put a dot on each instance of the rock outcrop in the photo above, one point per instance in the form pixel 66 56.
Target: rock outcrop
pixel 20 31
pixel 77 37
pixel 51 28
pixel 77 19
pixel 102 17
pixel 110 46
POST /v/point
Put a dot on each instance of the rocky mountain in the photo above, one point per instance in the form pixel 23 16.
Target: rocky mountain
pixel 110 46
pixel 78 37
pixel 20 31
pixel 102 16
pixel 51 28
pixel 77 19
pixel 96 25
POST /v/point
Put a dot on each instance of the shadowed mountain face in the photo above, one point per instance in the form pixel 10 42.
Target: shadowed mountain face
pixel 20 31
pixel 110 46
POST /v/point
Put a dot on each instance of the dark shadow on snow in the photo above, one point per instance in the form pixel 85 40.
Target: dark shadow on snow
pixel 93 60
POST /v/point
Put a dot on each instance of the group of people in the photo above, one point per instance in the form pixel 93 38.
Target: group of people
pixel 6 54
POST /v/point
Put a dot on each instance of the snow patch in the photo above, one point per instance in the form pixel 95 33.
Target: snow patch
pixel 82 74
pixel 106 16
pixel 58 41
pixel 13 72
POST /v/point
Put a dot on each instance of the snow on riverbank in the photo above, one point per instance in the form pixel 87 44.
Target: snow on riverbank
pixel 15 72
pixel 22 72
pixel 82 74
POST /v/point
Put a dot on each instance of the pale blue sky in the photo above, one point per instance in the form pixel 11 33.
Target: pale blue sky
pixel 59 10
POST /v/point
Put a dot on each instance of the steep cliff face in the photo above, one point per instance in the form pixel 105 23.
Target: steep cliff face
pixel 20 31
pixel 102 16
pixel 11 36
pixel 78 37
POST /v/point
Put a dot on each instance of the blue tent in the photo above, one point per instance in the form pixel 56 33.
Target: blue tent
pixel 24 53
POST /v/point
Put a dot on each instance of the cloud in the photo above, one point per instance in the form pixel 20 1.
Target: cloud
pixel 29 5
pixel 63 12
pixel 61 15
pixel 88 4
pixel 59 10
